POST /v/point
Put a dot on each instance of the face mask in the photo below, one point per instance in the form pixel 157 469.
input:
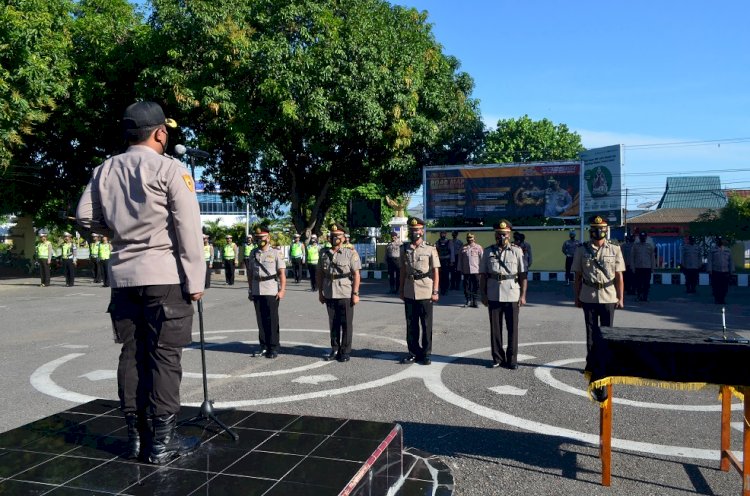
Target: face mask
pixel 502 239
pixel 261 242
pixel 335 240
pixel 442 236
pixel 598 233
pixel 414 236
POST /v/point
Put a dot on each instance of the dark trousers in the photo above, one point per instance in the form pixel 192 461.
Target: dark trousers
pixel 393 273
pixel 208 274
pixel 267 317
pixel 152 323
pixel 44 272
pixel 720 286
pixel 229 271
pixel 629 280
pixel 691 280
pixel 568 266
pixel 642 283
pixel 95 270
pixel 471 287
pixel 418 325
pixel 455 277
pixel 445 275
pixel 596 315
pixel 340 316
pixel 69 269
pixel 498 311
pixel 104 271
pixel 311 270
pixel 297 268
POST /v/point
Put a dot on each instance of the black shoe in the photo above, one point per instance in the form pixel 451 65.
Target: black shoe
pixel 599 394
pixel 426 361
pixel 408 359
pixel 511 366
pixel 135 425
pixel 260 353
pixel 344 358
pixel 495 365
pixel 331 356
pixel 272 354
pixel 167 443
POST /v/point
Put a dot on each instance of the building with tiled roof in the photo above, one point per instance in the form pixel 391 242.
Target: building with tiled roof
pixel 693 192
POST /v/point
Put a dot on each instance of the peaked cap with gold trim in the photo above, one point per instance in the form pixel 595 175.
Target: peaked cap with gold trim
pixel 597 221
pixel 503 226
pixel 415 223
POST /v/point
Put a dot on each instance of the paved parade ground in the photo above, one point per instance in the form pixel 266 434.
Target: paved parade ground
pixel 501 432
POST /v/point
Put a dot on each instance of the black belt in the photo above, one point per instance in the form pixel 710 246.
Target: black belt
pixel 417 277
pixel 337 276
pixel 505 277
pixel 267 278
pixel 599 285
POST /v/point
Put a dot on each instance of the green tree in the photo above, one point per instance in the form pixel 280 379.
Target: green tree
pixel 302 100
pixel 525 140
pixel 731 222
pixel 34 65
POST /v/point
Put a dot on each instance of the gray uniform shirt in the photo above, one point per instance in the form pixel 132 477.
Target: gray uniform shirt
pixel 720 260
pixel 266 264
pixel 642 256
pixel 333 264
pixel 512 264
pixel 147 201
pixel 691 257
pixel 471 258
pixel 393 249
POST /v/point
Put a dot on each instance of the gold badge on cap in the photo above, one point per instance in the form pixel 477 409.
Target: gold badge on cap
pixel 258 230
pixel 334 227
pixel 598 220
pixel 503 225
pixel 189 182
pixel 413 222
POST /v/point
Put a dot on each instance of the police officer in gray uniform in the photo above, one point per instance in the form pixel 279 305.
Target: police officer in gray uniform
pixel 338 289
pixel 267 287
pixel 691 263
pixel 147 201
pixel 503 282
pixel 419 290
pixel 720 268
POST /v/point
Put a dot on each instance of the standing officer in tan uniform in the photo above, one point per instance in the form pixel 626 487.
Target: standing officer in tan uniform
pixel 392 255
pixel 267 287
pixel 419 289
pixel 503 284
pixel 338 288
pixel 147 201
pixel 599 284
pixel 468 263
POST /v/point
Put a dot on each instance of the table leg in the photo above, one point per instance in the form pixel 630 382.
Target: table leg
pixel 746 444
pixel 726 428
pixel 605 438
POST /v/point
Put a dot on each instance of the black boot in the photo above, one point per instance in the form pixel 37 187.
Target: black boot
pixel 134 436
pixel 167 443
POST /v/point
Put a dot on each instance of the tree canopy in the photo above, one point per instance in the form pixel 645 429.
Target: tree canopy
pixel 731 222
pixel 526 140
pixel 298 101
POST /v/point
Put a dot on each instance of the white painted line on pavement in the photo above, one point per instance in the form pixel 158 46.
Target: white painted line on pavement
pixel 315 379
pixel 509 390
pixel 42 381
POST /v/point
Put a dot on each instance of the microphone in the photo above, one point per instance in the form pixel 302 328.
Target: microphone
pixel 181 150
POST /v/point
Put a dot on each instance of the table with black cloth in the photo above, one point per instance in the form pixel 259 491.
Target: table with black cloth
pixel 681 359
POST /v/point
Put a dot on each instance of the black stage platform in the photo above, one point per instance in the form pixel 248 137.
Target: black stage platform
pixel 78 452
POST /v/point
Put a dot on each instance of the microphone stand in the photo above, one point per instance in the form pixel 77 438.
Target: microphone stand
pixel 207 407
pixel 724 338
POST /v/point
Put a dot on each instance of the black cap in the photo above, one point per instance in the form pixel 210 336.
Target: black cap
pixel 415 223
pixel 503 225
pixel 141 115
pixel 597 221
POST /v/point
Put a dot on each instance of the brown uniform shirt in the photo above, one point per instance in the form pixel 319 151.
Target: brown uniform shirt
pixel 332 265
pixel 147 201
pixel 417 260
pixel 266 264
pixel 609 257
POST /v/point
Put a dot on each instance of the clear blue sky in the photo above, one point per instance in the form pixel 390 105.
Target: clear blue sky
pixel 629 72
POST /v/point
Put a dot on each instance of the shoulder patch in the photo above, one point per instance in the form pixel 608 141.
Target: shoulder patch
pixel 189 182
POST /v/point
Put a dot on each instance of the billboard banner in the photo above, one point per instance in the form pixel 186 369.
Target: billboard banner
pixel 543 189
pixel 602 180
